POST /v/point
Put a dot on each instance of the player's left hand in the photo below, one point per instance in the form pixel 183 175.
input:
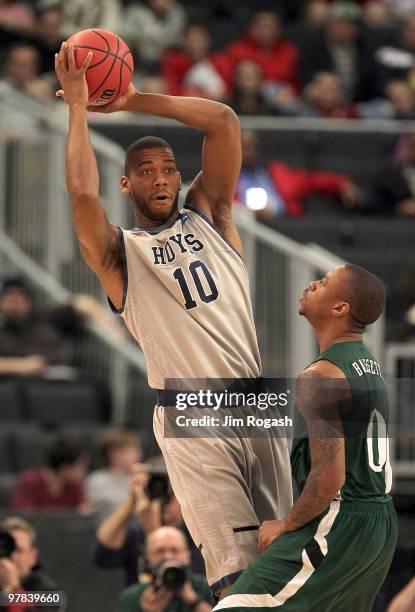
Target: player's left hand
pixel 270 531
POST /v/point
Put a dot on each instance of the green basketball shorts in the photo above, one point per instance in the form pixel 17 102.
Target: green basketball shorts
pixel 335 563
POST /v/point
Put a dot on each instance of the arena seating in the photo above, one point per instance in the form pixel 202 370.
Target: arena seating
pixel 33 412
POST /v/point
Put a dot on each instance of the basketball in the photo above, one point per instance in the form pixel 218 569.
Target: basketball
pixel 111 68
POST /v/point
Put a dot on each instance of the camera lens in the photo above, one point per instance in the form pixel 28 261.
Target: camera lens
pixel 7 544
pixel 174 578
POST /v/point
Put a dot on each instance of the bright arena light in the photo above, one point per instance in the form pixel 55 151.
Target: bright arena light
pixel 256 198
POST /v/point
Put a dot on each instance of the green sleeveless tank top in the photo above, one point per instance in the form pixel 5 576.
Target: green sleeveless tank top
pixel 368 470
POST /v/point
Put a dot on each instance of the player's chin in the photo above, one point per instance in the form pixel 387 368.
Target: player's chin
pixel 162 210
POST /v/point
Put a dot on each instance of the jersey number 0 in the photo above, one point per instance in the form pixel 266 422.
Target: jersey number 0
pixel 198 270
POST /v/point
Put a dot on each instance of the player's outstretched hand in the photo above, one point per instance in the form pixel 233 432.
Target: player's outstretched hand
pixel 119 104
pixel 270 531
pixel 72 79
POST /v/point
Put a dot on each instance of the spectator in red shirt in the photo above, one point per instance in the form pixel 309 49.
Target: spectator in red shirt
pixel 265 44
pixel 276 189
pixel 195 70
pixel 59 484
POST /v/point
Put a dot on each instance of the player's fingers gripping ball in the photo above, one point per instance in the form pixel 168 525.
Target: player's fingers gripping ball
pixel 111 69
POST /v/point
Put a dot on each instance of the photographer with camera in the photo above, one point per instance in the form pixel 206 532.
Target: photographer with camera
pixel 121 535
pixel 19 567
pixel 149 505
pixel 170 584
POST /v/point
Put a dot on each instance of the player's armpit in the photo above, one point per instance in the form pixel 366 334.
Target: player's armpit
pixel 104 257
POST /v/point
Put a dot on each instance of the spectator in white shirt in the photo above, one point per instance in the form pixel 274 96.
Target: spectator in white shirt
pixel 108 487
pixel 152 28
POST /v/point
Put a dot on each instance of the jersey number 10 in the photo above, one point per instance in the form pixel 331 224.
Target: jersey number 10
pixel 198 270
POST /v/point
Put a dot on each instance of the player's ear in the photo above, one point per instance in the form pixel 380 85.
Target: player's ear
pixel 341 309
pixel 125 185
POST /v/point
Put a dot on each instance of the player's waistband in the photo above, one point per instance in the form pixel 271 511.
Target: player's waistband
pixel 170 397
pixel 370 507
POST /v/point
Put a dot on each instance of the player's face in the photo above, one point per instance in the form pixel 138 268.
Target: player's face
pixel 153 184
pixel 321 296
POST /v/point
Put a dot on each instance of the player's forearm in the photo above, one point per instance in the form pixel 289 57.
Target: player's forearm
pixel 198 113
pixel 90 223
pixel 82 177
pixel 113 530
pixel 316 497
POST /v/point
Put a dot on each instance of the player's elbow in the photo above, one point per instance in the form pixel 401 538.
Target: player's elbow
pixel 329 481
pixel 82 195
pixel 227 118
pixel 333 484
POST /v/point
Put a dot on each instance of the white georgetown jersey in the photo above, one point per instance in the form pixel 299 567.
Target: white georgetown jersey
pixel 186 301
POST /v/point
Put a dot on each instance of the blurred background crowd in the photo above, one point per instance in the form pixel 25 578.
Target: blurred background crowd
pixel 312 58
pixel 85 506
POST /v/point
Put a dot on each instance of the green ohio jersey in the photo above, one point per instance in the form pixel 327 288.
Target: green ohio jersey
pixel 368 470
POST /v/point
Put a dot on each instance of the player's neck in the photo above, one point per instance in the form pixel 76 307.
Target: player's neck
pixel 326 337
pixel 151 225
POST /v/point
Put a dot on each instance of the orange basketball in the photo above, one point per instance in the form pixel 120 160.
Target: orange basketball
pixel 111 69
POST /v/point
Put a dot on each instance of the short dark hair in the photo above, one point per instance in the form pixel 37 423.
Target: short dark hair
pixel 146 142
pixel 63 451
pixel 366 294
pixel 265 8
pixel 16 283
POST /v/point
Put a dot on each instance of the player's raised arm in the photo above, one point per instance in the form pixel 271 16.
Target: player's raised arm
pixel 214 188
pixel 322 394
pixel 97 237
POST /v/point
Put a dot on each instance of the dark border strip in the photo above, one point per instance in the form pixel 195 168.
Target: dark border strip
pixel 247 528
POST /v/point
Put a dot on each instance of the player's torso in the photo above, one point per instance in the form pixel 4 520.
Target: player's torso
pixel 188 304
pixel 368 471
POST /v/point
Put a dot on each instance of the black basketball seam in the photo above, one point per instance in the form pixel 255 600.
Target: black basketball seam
pixel 123 63
pixel 108 54
pixel 100 61
pixel 103 38
pixel 120 77
pixel 108 73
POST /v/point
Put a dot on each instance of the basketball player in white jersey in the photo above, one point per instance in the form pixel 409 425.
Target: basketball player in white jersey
pixel 179 282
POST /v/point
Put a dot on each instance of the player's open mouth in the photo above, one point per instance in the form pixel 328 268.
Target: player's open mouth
pixel 162 198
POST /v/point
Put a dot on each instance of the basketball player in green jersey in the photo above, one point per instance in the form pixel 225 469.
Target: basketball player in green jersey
pixel 332 551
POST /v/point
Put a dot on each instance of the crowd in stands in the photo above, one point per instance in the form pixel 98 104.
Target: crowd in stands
pixel 139 522
pixel 340 59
